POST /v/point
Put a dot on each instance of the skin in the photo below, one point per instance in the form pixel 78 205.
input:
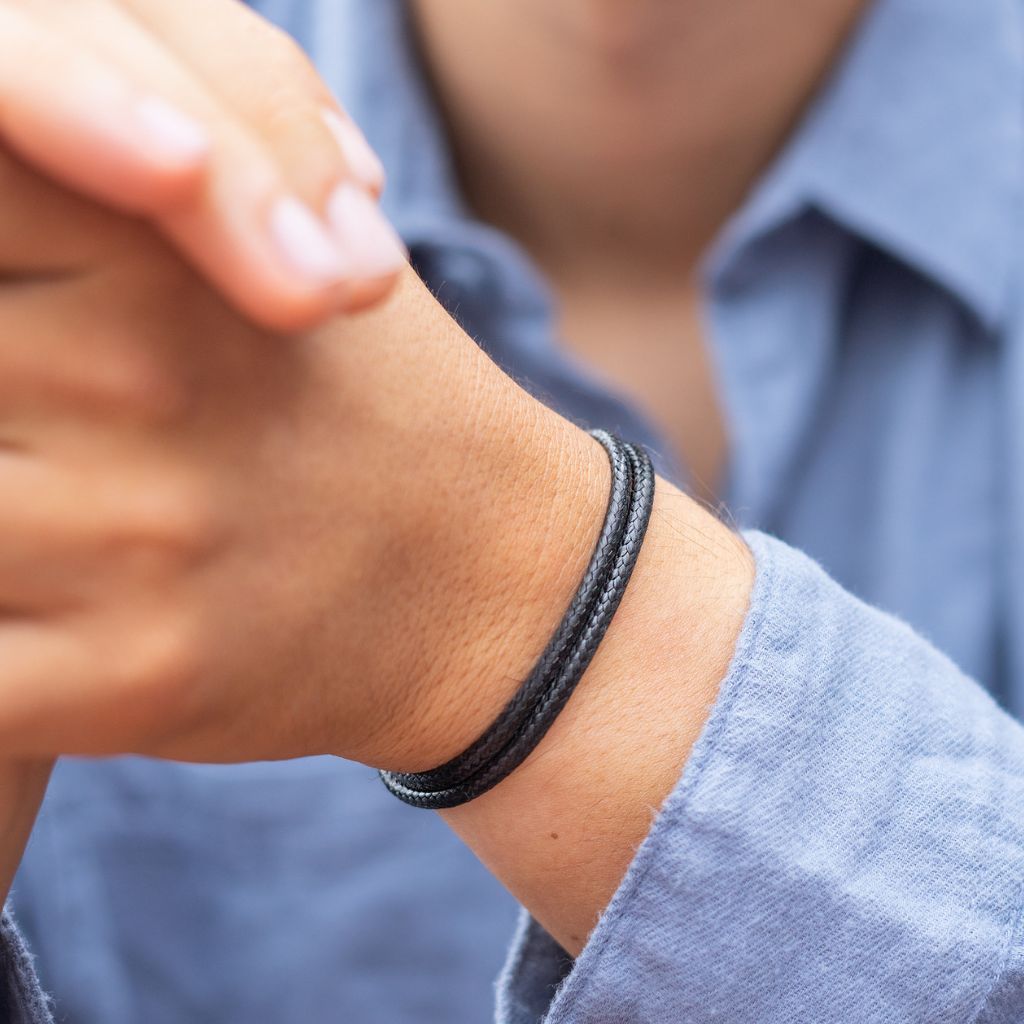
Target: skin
pixel 153 480
pixel 625 264
pixel 22 785
pixel 68 86
pixel 648 91
pixel 402 510
pixel 226 149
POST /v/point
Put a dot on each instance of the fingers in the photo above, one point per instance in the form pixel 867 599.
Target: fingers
pixel 42 568
pixel 288 104
pixel 289 107
pixel 56 693
pixel 363 162
pixel 75 118
pixel 94 652
pixel 69 537
pixel 48 231
pixel 35 663
pixel 258 226
pixel 95 681
pixel 262 238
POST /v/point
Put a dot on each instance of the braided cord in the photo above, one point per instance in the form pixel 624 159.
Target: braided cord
pixel 528 716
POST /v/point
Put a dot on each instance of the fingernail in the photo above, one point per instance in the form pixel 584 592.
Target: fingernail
pixel 364 164
pixel 170 134
pixel 305 243
pixel 371 244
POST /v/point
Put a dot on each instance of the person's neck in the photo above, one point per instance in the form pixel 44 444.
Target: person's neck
pixel 597 129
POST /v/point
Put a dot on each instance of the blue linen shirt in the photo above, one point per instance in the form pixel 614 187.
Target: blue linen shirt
pixel 848 840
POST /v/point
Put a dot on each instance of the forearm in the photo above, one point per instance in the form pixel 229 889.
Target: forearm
pixel 22 785
pixel 526 498
pixel 562 831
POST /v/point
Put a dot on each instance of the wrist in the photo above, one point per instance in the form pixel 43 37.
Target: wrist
pixel 444 521
pixel 502 554
pixel 562 830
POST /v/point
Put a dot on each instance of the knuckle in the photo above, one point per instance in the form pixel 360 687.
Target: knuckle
pixel 287 112
pixel 161 668
pixel 294 94
pixel 163 528
pixel 290 62
pixel 135 385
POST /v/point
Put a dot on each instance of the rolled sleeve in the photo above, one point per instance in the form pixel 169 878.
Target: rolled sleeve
pixel 846 843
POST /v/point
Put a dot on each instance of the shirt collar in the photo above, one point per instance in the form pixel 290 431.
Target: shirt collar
pixel 915 144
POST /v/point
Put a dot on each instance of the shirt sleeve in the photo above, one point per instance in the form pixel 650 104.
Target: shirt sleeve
pixel 846 843
pixel 21 999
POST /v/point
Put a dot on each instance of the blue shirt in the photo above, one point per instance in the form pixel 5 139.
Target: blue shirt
pixel 848 840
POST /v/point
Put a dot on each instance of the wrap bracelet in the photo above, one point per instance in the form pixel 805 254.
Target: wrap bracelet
pixel 531 712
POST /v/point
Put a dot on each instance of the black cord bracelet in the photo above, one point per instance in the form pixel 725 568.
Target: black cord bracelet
pixel 530 713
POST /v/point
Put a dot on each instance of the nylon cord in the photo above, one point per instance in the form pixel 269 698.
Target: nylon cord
pixel 529 715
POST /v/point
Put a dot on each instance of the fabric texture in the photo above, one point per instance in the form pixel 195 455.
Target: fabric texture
pixel 863 320
pixel 21 999
pixel 846 844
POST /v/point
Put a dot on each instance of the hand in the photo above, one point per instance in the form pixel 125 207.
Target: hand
pixel 238 154
pixel 214 546
pixel 217 547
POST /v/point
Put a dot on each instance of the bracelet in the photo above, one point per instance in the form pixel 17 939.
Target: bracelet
pixel 531 712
